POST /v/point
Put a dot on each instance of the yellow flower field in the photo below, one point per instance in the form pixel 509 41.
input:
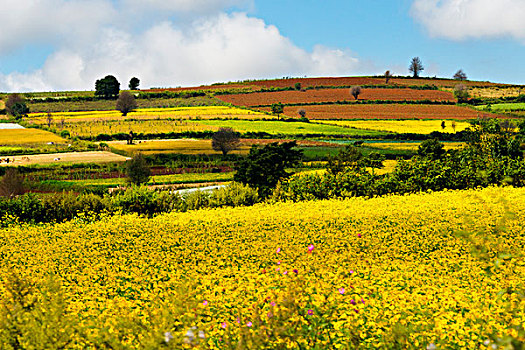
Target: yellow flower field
pixel 27 136
pixel 435 269
pixel 401 126
pixel 204 112
pixel 410 146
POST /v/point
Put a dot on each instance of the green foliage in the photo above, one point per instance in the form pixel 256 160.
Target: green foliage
pixel 297 86
pixel 16 106
pixel 12 183
pixel 264 167
pixel 107 87
pixel 137 170
pixel 141 200
pixel 348 158
pixel 432 149
pixel 134 83
pixel 65 134
pixel 277 108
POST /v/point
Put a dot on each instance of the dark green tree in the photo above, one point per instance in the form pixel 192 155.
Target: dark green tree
pixel 134 83
pixel 16 106
pixel 137 170
pixel 432 149
pixel 225 140
pixel 126 103
pixel 107 87
pixel 264 167
pixel 348 158
pixel 277 108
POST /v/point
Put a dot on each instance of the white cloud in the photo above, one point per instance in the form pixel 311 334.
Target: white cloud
pixel 463 19
pixel 51 21
pixel 222 47
pixel 185 6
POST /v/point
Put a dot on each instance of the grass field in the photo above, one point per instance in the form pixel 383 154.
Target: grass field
pixel 287 128
pixel 204 112
pixel 9 137
pixel 442 268
pixel 503 107
pixel 65 158
pixel 107 105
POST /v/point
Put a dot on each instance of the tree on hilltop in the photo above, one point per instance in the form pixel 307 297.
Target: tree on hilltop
pixel 460 75
pixel 416 67
pixel 388 76
pixel 107 87
pixel 134 83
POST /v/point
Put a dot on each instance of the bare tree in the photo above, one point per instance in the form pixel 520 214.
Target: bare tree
pixel 453 125
pixel 355 91
pixel 416 67
pixel 461 93
pixel 460 75
pixel 49 119
pixel 388 76
pixel 225 140
pixel 126 103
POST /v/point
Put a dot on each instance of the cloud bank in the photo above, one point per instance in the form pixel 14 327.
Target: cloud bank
pixel 213 46
pixel 466 19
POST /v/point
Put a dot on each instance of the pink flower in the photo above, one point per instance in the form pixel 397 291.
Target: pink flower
pixel 359 235
pixel 224 325
pixel 362 300
pixel 205 302
pixel 311 248
pixel 278 263
pixel 352 302
pixel 351 271
pixel 310 312
pixel 356 311
pixel 249 324
pixel 277 269
pixel 278 250
pixel 272 303
pixel 342 290
pixel 285 272
pixel 270 315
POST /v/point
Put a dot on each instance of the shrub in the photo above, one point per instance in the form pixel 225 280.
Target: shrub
pixel 137 170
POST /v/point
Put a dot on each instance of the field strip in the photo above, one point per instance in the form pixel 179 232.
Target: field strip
pixel 60 158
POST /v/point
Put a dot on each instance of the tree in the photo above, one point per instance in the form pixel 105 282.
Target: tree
pixel 355 91
pixel 16 106
pixel 460 75
pixel 388 76
pixel 416 67
pixel 225 140
pixel 461 93
pixel 347 158
pixel 12 183
pixel 264 167
pixel 134 83
pixel 137 170
pixel 126 103
pixel 49 119
pixel 277 108
pixel 298 86
pixel 107 88
pixel 432 149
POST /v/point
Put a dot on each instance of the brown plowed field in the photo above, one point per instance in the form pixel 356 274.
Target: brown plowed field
pixel 333 95
pixel 389 111
pixel 312 82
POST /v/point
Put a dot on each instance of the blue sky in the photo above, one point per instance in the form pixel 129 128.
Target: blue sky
pixel 67 44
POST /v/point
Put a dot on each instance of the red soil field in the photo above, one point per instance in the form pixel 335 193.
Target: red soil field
pixel 389 111
pixel 333 95
pixel 312 82
pixel 208 87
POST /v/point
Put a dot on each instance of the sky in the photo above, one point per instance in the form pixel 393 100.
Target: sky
pixel 56 45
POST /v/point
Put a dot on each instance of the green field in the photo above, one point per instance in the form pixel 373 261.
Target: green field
pixel 287 128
